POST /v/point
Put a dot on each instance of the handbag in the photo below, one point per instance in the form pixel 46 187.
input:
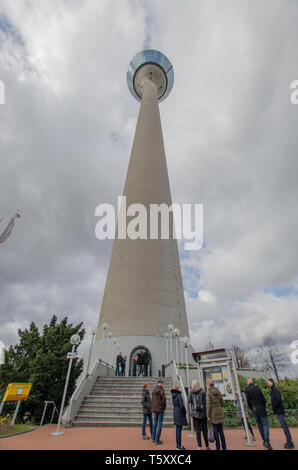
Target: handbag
pixel 120 369
pixel 211 437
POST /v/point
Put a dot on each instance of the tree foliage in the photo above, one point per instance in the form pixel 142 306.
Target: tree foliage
pixel 40 358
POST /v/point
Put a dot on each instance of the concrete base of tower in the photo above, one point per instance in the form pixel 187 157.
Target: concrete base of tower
pixel 130 346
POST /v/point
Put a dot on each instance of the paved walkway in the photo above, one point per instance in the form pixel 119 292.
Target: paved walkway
pixel 127 439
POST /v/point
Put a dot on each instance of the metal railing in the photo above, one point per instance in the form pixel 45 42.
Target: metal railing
pixel 187 405
pixel 83 388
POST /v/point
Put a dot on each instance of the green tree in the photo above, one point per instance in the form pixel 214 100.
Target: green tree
pixel 41 359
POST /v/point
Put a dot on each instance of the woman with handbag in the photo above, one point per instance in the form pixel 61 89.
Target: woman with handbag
pixel 215 414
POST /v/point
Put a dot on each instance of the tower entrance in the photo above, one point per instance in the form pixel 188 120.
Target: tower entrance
pixel 140 362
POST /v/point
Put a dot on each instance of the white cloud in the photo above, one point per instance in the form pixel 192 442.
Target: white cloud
pixel 231 141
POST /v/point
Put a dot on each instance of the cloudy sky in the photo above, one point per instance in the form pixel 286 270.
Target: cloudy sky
pixel 231 139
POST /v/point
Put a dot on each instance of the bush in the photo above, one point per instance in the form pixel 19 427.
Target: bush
pixel 288 389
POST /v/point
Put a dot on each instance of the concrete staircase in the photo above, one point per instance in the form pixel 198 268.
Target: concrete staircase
pixel 116 401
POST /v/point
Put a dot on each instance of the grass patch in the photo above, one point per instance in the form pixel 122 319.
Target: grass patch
pixel 16 429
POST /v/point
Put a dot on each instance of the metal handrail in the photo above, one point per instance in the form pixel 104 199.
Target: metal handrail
pixel 187 405
pixel 82 383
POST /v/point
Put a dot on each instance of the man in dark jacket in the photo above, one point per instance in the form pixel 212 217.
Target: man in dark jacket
pixel 147 410
pixel 146 362
pixel 257 403
pixel 278 409
pixel 141 363
pixel 159 403
pixel 118 363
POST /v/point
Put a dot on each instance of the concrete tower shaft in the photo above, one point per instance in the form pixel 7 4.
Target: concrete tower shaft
pixel 144 291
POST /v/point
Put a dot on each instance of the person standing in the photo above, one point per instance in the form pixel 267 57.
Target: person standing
pixel 159 404
pixel 134 366
pixel 278 409
pixel 239 412
pixel 197 400
pixel 257 403
pixel 147 411
pixel 146 362
pixel 215 414
pixel 141 363
pixel 179 414
pixel 118 363
pixel 123 365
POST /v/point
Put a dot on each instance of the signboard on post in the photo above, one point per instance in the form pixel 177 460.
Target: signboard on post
pixel 17 392
pixel 219 365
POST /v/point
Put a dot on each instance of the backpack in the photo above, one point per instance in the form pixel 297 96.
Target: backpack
pixel 197 401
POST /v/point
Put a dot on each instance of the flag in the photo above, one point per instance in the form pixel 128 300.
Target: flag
pixel 4 236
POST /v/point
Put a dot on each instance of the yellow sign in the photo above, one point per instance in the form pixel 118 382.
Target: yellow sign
pixel 216 376
pixel 17 392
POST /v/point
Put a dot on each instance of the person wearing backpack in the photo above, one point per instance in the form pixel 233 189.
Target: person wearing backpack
pixel 215 414
pixel 197 401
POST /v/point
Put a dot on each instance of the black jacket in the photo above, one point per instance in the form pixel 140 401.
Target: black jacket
pixel 276 401
pixel 146 358
pixel 146 402
pixel 256 400
pixel 179 412
pixel 141 359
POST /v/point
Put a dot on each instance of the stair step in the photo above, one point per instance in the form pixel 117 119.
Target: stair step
pixel 133 424
pixel 115 419
pixel 116 401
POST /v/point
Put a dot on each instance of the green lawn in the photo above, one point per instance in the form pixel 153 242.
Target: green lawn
pixel 16 429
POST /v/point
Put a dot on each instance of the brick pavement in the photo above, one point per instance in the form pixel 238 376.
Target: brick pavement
pixel 127 439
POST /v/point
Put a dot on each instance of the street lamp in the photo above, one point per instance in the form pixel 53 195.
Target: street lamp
pixel 167 346
pixel 104 328
pixel 92 331
pixel 176 333
pixel 74 341
pixel 170 327
pixel 110 335
pixel 186 342
pixel 181 347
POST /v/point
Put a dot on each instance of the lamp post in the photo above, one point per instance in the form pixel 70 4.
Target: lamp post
pixel 104 328
pixel 186 342
pixel 181 344
pixel 167 346
pixel 176 333
pixel 110 335
pixel 74 341
pixel 92 331
pixel 170 328
pixel 114 352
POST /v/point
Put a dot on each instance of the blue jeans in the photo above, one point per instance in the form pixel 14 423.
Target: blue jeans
pixel 145 416
pixel 178 435
pixel 263 425
pixel 282 420
pixel 157 426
